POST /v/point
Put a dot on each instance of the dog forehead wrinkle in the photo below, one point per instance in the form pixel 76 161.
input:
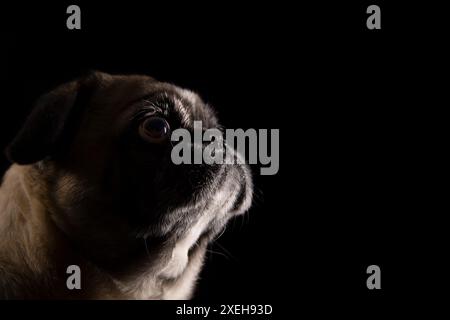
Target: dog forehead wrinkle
pixel 183 112
pixel 189 95
pixel 198 109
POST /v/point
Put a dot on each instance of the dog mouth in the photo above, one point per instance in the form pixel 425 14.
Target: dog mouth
pixel 227 192
pixel 230 196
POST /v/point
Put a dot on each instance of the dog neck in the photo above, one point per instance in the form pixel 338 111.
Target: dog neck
pixel 28 238
pixel 31 244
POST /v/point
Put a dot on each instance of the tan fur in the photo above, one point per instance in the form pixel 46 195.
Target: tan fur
pixel 34 253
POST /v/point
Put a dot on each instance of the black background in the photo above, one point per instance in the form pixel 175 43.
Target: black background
pixel 348 102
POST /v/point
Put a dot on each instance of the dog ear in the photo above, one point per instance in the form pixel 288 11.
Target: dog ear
pixel 52 121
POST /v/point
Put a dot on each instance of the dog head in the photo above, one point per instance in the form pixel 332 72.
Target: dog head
pixel 102 147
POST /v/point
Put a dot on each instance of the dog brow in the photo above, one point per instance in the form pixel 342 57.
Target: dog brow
pixel 184 113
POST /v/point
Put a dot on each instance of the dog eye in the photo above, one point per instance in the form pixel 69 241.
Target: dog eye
pixel 154 129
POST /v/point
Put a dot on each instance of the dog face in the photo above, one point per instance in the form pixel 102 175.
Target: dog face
pixel 102 147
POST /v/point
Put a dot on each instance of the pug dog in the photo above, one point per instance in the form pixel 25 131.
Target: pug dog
pixel 92 185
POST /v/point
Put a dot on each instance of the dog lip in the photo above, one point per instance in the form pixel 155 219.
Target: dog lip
pixel 244 197
pixel 240 198
pixel 203 237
